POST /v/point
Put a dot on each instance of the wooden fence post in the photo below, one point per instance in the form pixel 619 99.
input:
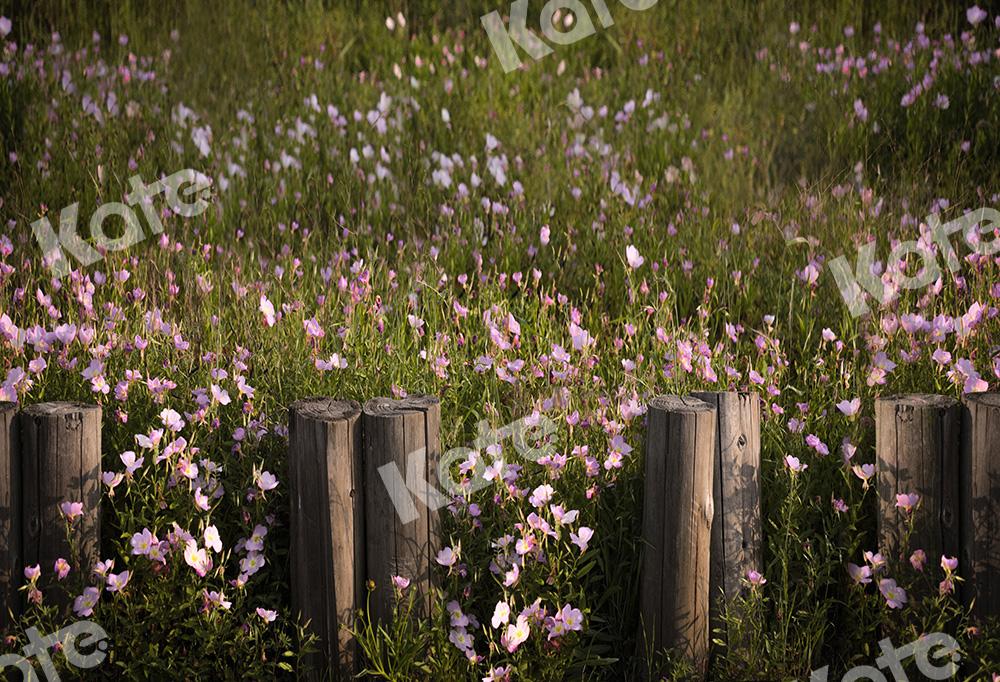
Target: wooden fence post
pixel 327 526
pixel 402 527
pixel 11 564
pixel 736 526
pixel 60 462
pixel 677 524
pixel 980 503
pixel 917 443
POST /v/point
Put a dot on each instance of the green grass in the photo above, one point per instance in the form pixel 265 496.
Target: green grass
pixel 361 256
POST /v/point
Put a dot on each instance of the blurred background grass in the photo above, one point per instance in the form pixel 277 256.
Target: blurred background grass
pixel 228 48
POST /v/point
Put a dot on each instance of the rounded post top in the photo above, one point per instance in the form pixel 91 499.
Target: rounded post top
pixel 677 403
pixel 392 407
pixel 58 409
pixel 711 394
pixel 326 409
pixel 919 400
pixel 984 399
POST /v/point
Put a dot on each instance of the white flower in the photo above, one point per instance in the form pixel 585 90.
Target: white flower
pixel 447 557
pixel 267 309
pixel 267 481
pixel 501 614
pixel 633 257
pixel 212 539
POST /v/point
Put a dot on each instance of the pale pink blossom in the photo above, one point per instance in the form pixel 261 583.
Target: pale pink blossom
pixel 635 260
pixel 907 501
pixel 895 596
pixel 197 558
pixel 862 575
pixel 118 581
pixel 516 634
pixel 267 310
pixel 212 539
pixel 582 538
pixel 61 568
pixel 83 605
pixel 447 557
pixel 849 407
pixel 71 510
pixel 267 481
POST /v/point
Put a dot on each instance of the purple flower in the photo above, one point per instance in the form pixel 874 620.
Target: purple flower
pixel 795 465
pixel 71 510
pixel 860 111
pixel 895 596
pixel 862 575
pixel 849 407
pixel 756 579
pixel 447 557
pixel 267 481
pixel 975 14
pixel 118 581
pixel 813 441
pixel 907 502
pixel 83 605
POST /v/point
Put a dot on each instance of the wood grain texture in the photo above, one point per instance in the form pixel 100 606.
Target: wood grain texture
pixel 60 462
pixel 677 524
pixel 11 564
pixel 980 503
pixel 327 526
pixel 402 448
pixel 736 526
pixel 917 447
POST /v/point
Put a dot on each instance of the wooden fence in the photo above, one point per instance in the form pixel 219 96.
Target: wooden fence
pixel 345 527
pixel 50 453
pixel 701 517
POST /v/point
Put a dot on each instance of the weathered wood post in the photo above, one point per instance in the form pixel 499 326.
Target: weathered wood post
pixel 327 526
pixel 980 503
pixel 677 525
pixel 917 443
pixel 10 515
pixel 402 527
pixel 736 526
pixel 60 462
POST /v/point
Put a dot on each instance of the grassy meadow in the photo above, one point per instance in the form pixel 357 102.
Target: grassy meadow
pixel 651 210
